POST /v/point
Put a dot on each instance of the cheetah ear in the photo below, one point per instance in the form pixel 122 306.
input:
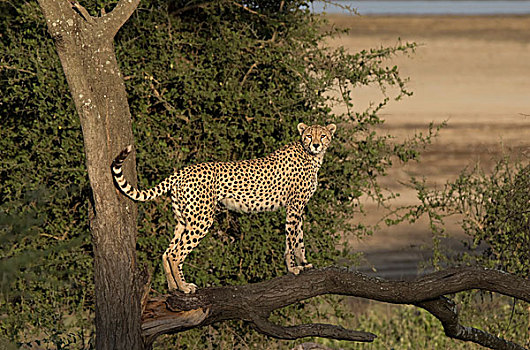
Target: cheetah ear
pixel 301 127
pixel 332 128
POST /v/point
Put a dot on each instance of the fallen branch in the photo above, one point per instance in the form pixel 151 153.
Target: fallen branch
pixel 253 303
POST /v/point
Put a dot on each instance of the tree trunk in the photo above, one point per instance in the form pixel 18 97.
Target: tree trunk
pixel 86 50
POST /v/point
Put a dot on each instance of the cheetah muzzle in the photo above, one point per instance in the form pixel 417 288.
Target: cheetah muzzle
pixel 286 178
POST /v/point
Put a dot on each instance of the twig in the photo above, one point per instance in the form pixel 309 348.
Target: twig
pixel 168 106
pixel 248 9
pixel 17 69
pixel 58 238
pixel 254 65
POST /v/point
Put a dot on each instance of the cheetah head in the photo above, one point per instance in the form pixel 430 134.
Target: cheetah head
pixel 316 138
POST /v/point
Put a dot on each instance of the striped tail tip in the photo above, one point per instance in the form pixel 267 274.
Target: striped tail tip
pixel 118 161
pixel 123 154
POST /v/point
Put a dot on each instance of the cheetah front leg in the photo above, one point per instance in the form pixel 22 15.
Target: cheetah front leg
pixel 294 241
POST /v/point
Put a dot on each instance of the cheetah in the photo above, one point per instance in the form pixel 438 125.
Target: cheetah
pixel 286 178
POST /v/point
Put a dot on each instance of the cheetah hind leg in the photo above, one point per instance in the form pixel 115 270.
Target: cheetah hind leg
pixel 169 254
pixel 175 279
pixel 172 262
pixel 174 275
pixel 173 257
pixel 182 248
pixel 187 288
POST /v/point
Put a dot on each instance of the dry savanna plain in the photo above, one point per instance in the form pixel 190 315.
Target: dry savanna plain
pixel 474 73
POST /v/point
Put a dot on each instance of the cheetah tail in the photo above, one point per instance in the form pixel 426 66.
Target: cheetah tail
pixel 129 190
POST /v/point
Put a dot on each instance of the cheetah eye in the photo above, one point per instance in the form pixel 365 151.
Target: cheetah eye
pixel 323 137
pixel 309 137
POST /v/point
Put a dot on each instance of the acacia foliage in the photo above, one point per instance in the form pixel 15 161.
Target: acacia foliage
pixel 493 209
pixel 220 80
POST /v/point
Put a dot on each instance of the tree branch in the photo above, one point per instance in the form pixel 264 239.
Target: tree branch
pixel 445 310
pixel 266 327
pixel 82 11
pixel 253 303
pixel 158 319
pixel 116 18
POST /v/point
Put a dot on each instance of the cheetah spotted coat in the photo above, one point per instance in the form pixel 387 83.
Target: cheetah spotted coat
pixel 286 178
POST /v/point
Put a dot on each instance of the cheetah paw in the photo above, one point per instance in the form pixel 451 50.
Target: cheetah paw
pixel 188 288
pixel 307 266
pixel 295 270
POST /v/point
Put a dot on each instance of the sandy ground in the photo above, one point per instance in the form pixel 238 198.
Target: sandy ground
pixel 473 72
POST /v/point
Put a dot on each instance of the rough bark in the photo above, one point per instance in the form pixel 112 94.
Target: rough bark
pixel 85 48
pixel 253 303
